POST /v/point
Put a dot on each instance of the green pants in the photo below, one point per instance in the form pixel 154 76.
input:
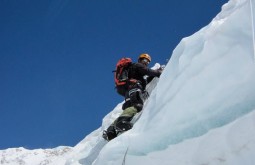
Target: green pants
pixel 127 113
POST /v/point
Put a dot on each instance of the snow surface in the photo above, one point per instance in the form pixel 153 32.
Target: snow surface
pixel 202 111
pixel 22 156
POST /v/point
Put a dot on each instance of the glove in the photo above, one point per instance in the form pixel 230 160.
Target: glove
pixel 162 67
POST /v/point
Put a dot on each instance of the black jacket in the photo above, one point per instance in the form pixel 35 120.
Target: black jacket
pixel 138 71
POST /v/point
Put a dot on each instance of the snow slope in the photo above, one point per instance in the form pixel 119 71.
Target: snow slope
pixel 208 84
pixel 201 112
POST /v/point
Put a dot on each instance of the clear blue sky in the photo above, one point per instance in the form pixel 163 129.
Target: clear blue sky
pixel 57 57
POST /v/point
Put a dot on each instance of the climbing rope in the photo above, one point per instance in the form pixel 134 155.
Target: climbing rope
pixel 124 158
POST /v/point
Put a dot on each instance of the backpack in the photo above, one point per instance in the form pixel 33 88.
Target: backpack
pixel 121 78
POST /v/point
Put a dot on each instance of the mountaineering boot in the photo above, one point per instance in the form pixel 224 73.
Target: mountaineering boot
pixel 122 126
pixel 109 134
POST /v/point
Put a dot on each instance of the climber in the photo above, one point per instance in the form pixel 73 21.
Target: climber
pixel 135 95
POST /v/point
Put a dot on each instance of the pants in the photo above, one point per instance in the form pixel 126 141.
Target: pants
pixel 134 100
pixel 122 123
pixel 126 115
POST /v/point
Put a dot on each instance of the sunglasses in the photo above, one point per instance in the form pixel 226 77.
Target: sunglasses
pixel 145 61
